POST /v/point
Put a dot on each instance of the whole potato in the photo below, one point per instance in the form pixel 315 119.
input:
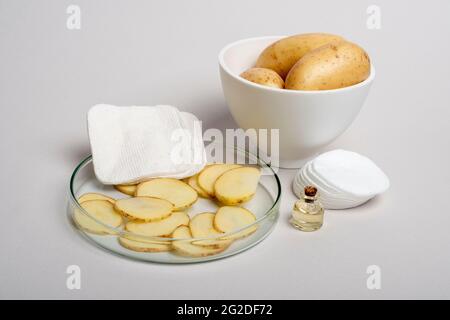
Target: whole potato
pixel 283 54
pixel 265 77
pixel 332 66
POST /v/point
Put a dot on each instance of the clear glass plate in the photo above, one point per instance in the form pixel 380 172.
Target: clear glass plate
pixel 264 205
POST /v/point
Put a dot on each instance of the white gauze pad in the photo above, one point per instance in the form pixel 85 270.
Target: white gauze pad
pixel 132 144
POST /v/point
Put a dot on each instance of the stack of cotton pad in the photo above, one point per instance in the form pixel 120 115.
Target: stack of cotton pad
pixel 344 179
pixel 132 144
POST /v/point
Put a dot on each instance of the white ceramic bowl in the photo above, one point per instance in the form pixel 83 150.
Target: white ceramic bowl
pixel 307 120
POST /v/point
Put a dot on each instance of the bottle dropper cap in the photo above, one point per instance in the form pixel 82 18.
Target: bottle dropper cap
pixel 310 191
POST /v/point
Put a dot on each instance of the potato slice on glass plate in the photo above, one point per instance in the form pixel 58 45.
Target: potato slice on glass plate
pixel 140 245
pixel 160 228
pixel 101 210
pixel 192 181
pixel 209 175
pixel 129 189
pixel 145 209
pixel 95 196
pixel 228 219
pixel 179 193
pixel 187 248
pixel 237 185
pixel 202 226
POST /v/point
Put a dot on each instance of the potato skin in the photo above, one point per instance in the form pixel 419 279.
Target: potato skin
pixel 283 54
pixel 265 77
pixel 332 66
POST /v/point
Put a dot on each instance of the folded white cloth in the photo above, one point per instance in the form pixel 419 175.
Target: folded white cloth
pixel 344 179
pixel 135 143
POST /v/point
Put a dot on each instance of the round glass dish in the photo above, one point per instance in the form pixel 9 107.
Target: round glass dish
pixel 264 205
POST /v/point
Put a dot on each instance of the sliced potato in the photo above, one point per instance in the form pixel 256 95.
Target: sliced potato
pixel 95 196
pixel 144 208
pixel 209 175
pixel 228 219
pixel 129 189
pixel 160 228
pixel 186 248
pixel 192 181
pixel 140 245
pixel 237 185
pixel 180 194
pixel 202 226
pixel 101 210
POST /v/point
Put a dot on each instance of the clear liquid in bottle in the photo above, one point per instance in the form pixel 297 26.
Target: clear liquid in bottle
pixel 307 214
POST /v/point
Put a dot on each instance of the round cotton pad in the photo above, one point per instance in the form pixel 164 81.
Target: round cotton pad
pixel 329 201
pixel 344 179
pixel 351 173
pixel 309 173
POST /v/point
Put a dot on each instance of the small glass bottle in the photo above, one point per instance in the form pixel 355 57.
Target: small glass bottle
pixel 307 214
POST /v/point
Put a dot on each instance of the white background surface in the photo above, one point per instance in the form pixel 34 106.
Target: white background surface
pixel 149 52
